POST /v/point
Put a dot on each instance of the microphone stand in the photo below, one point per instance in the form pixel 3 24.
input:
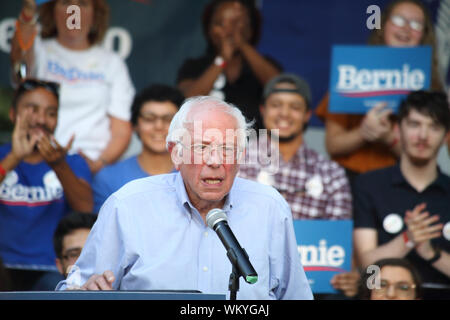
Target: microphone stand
pixel 233 284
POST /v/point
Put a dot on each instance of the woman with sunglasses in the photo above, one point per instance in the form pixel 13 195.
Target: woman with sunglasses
pixel 96 89
pixel 361 143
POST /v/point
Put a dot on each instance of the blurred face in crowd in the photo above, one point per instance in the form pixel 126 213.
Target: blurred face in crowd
pixel 228 18
pixel 208 177
pixel 396 283
pixel 421 137
pixel 285 111
pixel 40 109
pixel 405 26
pixel 72 245
pixel 153 124
pixel 64 18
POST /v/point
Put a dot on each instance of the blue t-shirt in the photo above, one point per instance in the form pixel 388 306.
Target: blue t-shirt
pixel 32 202
pixel 113 177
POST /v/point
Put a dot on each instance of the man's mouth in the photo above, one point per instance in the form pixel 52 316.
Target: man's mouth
pixel 212 181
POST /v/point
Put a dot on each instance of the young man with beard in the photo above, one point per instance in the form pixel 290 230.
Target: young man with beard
pixel 314 187
pixel 404 210
pixel 39 184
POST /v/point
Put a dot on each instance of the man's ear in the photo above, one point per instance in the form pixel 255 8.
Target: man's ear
pixel 176 154
pixel 12 114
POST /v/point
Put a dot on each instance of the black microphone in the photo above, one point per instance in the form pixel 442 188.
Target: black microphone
pixel 217 220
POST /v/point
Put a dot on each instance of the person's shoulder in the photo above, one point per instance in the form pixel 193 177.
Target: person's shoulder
pixel 376 177
pixel 321 162
pixel 154 185
pixel 255 191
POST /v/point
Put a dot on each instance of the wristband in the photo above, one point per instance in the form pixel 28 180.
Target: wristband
pixel 220 62
pixel 2 171
pixel 408 242
pixel 436 257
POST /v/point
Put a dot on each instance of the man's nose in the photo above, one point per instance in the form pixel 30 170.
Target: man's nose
pixel 214 158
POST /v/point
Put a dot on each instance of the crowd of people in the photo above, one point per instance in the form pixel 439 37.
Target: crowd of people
pixel 75 109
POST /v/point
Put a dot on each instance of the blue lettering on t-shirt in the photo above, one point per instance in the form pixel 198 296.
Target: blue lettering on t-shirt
pixel 73 73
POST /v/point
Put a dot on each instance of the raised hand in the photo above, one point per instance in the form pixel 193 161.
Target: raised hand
pixel 421 226
pixel 52 152
pixel 376 125
pixel 23 142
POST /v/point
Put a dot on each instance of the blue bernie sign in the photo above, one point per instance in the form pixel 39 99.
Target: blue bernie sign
pixel 325 248
pixel 363 76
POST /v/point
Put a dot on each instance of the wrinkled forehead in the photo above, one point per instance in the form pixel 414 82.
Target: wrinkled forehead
pixel 211 123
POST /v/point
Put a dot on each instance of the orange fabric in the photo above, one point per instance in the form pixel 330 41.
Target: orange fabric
pixel 370 157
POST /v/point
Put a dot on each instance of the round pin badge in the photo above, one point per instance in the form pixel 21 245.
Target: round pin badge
pixel 446 231
pixel 393 223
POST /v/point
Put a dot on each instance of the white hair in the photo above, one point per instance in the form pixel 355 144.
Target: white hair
pixel 181 118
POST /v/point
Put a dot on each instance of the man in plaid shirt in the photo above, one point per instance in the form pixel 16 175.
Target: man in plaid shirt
pixel 314 187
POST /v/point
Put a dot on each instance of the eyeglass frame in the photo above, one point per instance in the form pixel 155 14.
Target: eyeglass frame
pixel 383 290
pixel 209 146
pixel 405 21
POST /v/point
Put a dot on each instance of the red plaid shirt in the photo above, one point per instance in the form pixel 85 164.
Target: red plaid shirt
pixel 314 187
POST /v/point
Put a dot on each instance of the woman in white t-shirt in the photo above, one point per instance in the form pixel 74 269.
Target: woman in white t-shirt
pixel 96 89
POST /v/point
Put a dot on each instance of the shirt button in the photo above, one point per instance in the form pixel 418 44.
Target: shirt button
pixel 205 269
pixel 206 234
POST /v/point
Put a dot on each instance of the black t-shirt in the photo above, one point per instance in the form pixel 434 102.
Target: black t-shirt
pixel 382 193
pixel 245 93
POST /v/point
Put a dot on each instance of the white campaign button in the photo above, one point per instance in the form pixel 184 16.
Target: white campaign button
pixel 393 223
pixel 314 187
pixel 446 231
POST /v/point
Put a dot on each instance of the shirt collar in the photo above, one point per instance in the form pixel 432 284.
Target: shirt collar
pixel 183 197
pixel 397 178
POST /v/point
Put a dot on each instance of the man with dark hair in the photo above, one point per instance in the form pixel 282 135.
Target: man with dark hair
pixel 314 187
pixel 69 239
pixel 151 112
pixel 404 210
pixel 39 184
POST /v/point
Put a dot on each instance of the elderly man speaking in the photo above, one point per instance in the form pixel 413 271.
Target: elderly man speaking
pixel 152 233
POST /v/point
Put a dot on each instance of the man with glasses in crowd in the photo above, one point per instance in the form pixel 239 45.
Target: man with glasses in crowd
pixel 40 183
pixel 152 233
pixel 151 112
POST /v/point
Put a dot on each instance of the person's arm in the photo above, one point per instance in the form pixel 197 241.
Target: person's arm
pixel 375 127
pixel 104 259
pixel 22 42
pixel 22 144
pixel 261 67
pixel 77 191
pixel 121 132
pixel 203 84
pixel 287 276
pixel 368 251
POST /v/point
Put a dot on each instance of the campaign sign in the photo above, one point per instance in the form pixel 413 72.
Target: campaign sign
pixel 325 248
pixel 362 76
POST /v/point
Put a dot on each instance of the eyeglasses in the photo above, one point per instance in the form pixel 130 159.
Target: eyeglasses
pixel 153 118
pixel 400 21
pixel 402 288
pixel 72 254
pixel 206 149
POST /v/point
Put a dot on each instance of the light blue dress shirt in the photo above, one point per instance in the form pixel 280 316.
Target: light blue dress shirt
pixel 152 238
